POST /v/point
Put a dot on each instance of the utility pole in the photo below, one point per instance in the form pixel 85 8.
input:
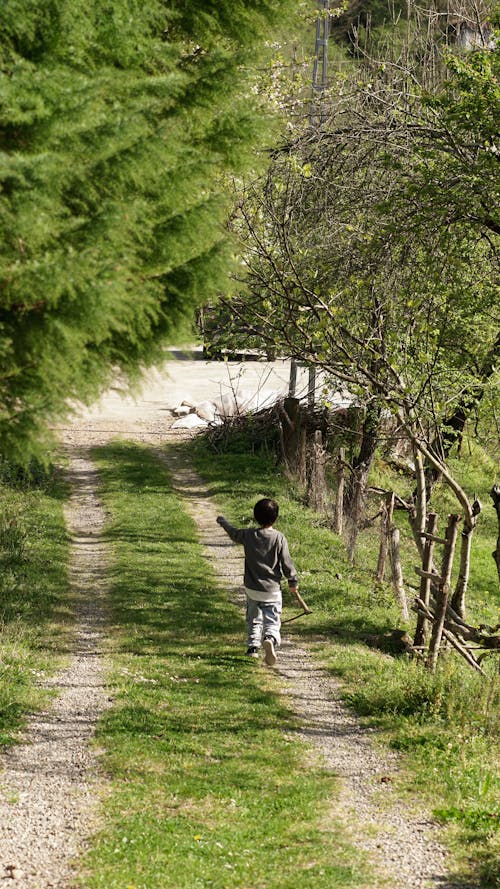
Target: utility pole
pixel 320 66
pixel 317 113
pixel 316 116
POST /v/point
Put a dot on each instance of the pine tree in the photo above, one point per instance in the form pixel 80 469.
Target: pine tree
pixel 118 121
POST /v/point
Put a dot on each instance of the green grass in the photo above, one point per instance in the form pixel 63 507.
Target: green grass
pixel 208 787
pixel 33 592
pixel 446 726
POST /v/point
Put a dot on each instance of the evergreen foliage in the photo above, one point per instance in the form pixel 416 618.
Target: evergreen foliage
pixel 118 120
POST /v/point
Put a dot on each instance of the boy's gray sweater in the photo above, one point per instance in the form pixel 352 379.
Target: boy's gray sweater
pixel 267 557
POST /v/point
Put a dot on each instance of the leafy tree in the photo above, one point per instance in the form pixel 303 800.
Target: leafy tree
pixel 118 120
pixel 372 249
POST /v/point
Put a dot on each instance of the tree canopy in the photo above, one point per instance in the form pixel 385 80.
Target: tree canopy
pixel 118 120
pixel 372 253
pixel 372 247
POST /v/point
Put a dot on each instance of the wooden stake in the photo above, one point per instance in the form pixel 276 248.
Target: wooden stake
pixel 339 502
pixel 293 379
pixel 397 573
pixel 311 390
pixel 385 530
pixel 443 591
pixel 382 552
pixel 425 582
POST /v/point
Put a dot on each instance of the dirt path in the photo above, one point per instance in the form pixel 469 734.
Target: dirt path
pixel 50 785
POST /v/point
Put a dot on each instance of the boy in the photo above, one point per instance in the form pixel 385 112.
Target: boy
pixel 267 560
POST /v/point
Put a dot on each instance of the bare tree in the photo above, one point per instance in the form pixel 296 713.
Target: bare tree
pixel 371 251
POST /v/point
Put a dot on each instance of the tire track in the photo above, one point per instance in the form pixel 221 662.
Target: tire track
pixel 50 783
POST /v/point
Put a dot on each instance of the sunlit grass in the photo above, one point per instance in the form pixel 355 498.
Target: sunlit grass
pixel 34 609
pixel 207 781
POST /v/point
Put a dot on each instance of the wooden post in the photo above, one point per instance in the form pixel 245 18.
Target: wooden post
pixel 385 530
pixel 391 499
pixel 382 552
pixel 311 391
pixel 292 386
pixel 293 439
pixel 316 481
pixel 397 573
pixel 420 517
pixel 443 591
pixel 339 501
pixel 458 598
pixel 425 582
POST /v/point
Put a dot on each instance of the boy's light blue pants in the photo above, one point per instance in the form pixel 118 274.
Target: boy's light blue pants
pixel 263 619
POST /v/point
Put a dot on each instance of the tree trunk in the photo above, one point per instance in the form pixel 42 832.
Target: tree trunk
pixel 448 479
pixel 316 479
pixel 293 439
pixel 363 462
pixel 354 501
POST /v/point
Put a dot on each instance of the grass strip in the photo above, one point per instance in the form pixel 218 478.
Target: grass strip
pixel 446 725
pixel 34 610
pixel 208 784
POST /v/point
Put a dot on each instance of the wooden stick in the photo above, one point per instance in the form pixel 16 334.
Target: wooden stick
pixel 444 590
pixel 429 574
pixel 425 582
pixel 305 608
pixel 339 500
pixel 462 649
pixel 431 536
pixel 385 528
pixel 295 617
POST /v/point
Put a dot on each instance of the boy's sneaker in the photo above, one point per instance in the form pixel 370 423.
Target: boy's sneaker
pixel 269 652
pixel 253 651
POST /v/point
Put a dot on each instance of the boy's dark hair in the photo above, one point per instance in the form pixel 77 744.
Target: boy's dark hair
pixel 265 511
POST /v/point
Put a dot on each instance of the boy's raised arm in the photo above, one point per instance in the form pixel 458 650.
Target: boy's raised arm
pixel 236 534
